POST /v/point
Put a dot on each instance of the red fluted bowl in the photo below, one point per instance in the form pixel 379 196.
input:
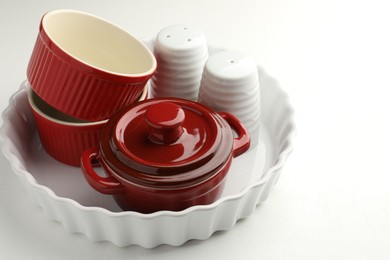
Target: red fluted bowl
pixel 63 137
pixel 87 67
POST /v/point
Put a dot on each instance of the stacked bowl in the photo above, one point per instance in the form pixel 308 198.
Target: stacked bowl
pixel 82 70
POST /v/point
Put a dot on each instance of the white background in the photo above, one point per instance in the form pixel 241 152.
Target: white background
pixel 332 58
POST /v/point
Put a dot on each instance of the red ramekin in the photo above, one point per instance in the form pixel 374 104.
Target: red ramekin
pixel 86 67
pixel 63 137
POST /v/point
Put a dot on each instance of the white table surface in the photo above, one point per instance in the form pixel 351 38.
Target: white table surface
pixel 333 59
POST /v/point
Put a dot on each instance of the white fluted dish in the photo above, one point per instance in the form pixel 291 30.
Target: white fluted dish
pixel 65 196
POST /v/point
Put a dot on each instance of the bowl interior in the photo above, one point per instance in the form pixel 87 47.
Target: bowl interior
pixel 98 43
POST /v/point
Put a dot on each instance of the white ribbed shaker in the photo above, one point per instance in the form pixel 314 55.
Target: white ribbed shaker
pixel 230 83
pixel 181 52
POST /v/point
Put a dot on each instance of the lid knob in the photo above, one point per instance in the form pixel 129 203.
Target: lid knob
pixel 165 120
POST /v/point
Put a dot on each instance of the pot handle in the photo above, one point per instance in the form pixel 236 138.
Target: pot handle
pixel 242 142
pixel 106 185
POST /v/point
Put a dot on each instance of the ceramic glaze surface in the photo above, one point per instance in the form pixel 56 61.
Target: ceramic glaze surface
pixel 169 153
pixel 230 83
pixel 165 128
pixel 146 136
pixel 84 80
pixel 127 57
pixel 232 67
pixel 181 52
pixel 204 138
pixel 181 40
pixel 65 138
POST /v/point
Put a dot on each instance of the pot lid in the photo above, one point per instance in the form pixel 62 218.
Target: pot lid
pixel 168 136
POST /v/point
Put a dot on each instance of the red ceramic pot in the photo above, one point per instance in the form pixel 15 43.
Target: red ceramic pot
pixel 165 154
pixel 87 67
pixel 63 137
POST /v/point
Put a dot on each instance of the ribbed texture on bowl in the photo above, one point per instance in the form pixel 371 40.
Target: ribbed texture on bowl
pixel 66 141
pixel 163 227
pixel 77 93
pixel 67 144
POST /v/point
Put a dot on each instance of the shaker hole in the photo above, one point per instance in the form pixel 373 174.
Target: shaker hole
pixel 188 40
pixel 185 28
pixel 168 36
pixel 232 61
